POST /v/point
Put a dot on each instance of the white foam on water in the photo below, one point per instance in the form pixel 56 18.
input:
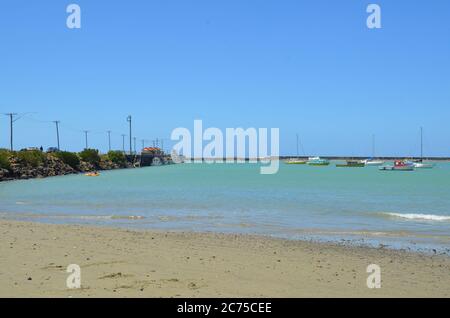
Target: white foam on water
pixel 418 216
pixel 72 216
pixel 127 217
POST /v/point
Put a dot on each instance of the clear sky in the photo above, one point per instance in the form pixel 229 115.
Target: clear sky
pixel 308 67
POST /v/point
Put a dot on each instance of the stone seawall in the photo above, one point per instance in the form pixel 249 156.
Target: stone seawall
pixel 49 167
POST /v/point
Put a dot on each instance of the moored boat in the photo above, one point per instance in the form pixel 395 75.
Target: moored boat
pixel 423 165
pixel 399 165
pixel 351 164
pixel 419 163
pixel 373 162
pixel 295 161
pixel 317 161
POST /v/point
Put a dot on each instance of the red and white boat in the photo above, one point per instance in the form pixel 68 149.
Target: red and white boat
pixel 399 165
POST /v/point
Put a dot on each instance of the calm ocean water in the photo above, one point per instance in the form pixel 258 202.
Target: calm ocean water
pixel 364 205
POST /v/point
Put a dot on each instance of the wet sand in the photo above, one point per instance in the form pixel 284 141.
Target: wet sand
pixel 124 263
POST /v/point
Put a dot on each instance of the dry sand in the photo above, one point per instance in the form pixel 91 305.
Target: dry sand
pixel 124 263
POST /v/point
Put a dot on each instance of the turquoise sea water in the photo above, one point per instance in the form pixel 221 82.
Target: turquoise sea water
pixel 364 205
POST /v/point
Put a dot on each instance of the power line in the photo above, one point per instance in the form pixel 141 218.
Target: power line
pixel 13 117
pixel 12 120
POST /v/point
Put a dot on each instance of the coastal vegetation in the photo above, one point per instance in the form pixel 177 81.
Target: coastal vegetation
pixel 117 157
pixel 69 158
pixel 32 158
pixel 27 164
pixel 90 156
pixel 4 159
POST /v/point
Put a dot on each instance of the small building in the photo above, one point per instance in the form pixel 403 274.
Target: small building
pixel 152 156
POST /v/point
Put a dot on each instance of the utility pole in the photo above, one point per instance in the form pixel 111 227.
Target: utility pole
pixel 129 121
pixel 86 137
pixel 11 122
pixel 109 139
pixel 57 132
pixel 123 143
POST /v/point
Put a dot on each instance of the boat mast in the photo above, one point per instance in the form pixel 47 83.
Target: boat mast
pixel 300 147
pixel 373 146
pixel 421 143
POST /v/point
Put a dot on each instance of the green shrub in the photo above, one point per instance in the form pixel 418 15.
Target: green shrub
pixel 4 159
pixel 33 158
pixel 117 157
pixel 69 158
pixel 91 156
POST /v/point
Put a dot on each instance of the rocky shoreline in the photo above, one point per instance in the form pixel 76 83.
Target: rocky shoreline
pixel 49 165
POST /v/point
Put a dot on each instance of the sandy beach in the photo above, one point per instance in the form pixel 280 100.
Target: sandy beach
pixel 124 263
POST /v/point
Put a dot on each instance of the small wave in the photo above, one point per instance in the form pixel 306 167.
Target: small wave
pixel 416 216
pixel 72 216
pixel 127 217
pixel 174 218
pixel 97 217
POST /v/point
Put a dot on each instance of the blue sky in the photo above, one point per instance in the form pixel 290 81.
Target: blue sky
pixel 307 67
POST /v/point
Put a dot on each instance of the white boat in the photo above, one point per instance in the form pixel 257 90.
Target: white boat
pixel 295 161
pixel 317 161
pixel 423 165
pixel 419 163
pixel 372 161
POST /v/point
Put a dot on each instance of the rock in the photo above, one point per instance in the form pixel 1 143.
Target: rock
pixel 51 166
pixel 3 174
pixel 86 167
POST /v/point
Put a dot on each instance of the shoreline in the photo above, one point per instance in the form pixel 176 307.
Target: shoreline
pixel 396 241
pixel 408 241
pixel 117 262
